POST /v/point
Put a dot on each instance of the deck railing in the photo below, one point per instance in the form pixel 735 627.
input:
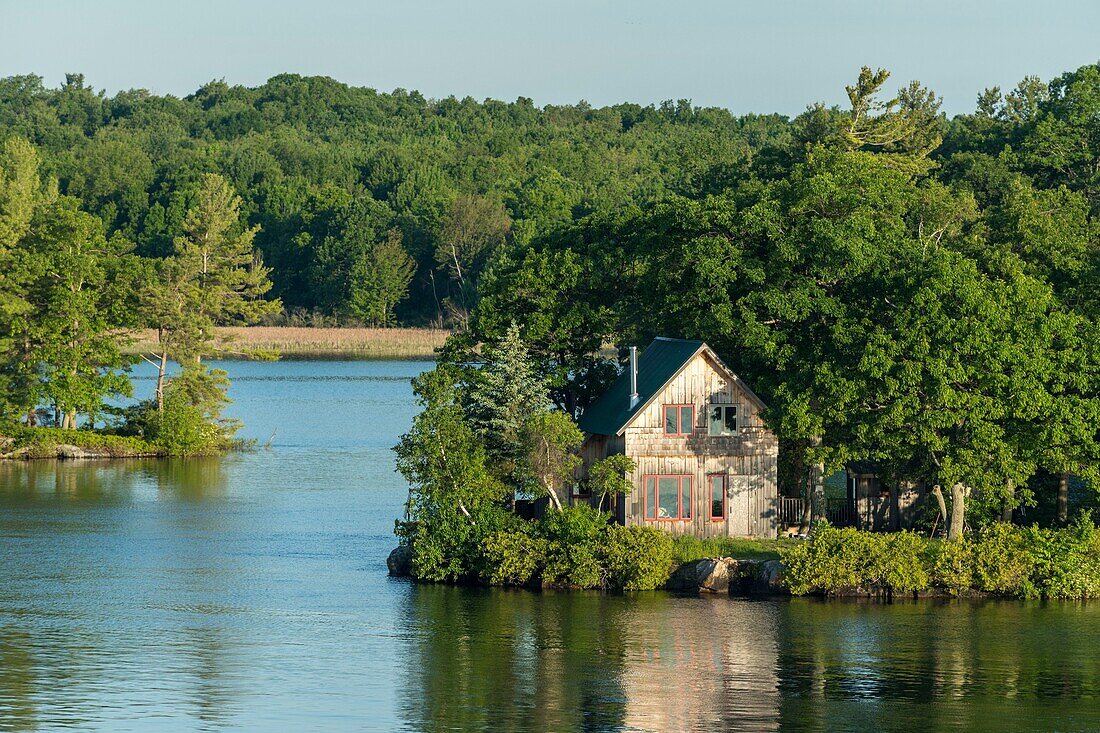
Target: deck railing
pixel 840 512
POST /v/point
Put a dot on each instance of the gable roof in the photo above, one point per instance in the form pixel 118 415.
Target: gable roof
pixel 658 365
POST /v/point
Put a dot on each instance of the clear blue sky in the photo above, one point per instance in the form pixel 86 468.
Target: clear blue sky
pixel 759 56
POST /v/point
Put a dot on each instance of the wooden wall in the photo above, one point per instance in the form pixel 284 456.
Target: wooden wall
pixel 748 459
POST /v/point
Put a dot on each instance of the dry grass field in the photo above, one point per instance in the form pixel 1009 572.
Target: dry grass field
pixel 291 341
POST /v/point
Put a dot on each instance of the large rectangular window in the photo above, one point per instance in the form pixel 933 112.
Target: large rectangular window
pixel 679 419
pixel 723 420
pixel 668 497
pixel 717 483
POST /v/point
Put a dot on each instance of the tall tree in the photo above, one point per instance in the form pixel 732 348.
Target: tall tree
pixel 380 280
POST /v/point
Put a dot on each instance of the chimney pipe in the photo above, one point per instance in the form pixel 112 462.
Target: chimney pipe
pixel 633 377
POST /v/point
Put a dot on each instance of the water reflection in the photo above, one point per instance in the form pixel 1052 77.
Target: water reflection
pixel 497 660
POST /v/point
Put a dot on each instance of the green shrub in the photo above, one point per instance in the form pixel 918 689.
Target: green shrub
pixel 1002 561
pixel 447 545
pixel 511 557
pixel 636 558
pixel 1067 562
pixel 831 561
pixel 573 546
pixel 904 562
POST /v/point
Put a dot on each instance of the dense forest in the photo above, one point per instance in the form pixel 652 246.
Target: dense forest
pixel 899 286
pixel 358 194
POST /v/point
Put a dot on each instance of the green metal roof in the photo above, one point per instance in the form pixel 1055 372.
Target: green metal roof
pixel 659 363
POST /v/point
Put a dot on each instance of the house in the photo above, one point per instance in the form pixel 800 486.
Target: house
pixel 705 464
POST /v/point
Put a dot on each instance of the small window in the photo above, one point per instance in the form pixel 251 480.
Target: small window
pixel 723 420
pixel 679 419
pixel 717 497
pixel 668 497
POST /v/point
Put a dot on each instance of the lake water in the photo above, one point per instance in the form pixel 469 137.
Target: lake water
pixel 250 593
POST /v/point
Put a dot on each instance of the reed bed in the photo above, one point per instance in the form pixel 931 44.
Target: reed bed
pixel 292 341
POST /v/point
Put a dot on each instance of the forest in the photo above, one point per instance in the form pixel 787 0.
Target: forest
pixel 899 286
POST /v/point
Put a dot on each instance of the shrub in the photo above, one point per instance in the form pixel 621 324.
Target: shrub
pixel 1002 561
pixel 637 558
pixel 831 561
pixel 904 562
pixel 573 546
pixel 511 557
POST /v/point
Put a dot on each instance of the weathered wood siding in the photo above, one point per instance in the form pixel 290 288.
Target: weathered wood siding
pixel 748 459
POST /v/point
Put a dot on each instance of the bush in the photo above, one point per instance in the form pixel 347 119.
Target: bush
pixel 511 557
pixel 1002 559
pixel 574 539
pixel 637 558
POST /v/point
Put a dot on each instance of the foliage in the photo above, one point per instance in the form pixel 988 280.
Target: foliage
pixel 24 442
pixel 637 558
pixel 550 443
pixel 512 557
pixel 574 539
pixel 1024 562
pixel 609 477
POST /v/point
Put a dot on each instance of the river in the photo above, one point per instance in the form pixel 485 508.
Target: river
pixel 249 592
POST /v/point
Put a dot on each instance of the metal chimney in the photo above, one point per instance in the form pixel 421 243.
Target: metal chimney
pixel 633 377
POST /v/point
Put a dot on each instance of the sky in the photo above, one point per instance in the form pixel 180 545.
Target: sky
pixel 760 56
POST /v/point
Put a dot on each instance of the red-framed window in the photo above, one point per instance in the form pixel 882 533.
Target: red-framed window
pixel 678 419
pixel 717 486
pixel 667 497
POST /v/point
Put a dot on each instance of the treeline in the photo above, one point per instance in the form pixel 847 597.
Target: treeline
pixel 363 197
pixel 72 291
pixel 899 288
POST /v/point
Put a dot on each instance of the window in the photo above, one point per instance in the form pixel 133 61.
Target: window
pixel 723 420
pixel 717 483
pixel 679 419
pixel 668 497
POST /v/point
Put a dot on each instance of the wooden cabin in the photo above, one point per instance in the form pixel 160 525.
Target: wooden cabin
pixel 877 506
pixel 705 462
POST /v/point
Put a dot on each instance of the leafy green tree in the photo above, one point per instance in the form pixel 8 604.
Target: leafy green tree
pixel 608 477
pixel 471 232
pixel 380 280
pixel 69 329
pixel 550 441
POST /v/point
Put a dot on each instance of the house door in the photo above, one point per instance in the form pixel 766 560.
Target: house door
pixel 739 489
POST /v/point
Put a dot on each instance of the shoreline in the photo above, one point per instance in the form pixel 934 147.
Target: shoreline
pixel 258 342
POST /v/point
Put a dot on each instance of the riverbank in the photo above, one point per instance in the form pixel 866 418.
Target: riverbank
pixel 23 443
pixel 332 343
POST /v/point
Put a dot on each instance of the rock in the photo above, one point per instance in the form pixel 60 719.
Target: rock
pixel 400 561
pixel 71 451
pixel 769 578
pixel 712 575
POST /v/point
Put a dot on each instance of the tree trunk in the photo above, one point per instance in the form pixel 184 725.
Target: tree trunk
pixel 32 418
pixel 554 498
pixel 1063 497
pixel 1009 503
pixel 938 494
pixel 817 487
pixel 807 506
pixel 895 506
pixel 958 512
pixel 160 380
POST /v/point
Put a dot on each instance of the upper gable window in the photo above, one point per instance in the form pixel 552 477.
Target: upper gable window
pixel 722 420
pixel 679 419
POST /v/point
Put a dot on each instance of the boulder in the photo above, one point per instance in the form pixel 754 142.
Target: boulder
pixel 400 561
pixel 711 575
pixel 71 451
pixel 769 578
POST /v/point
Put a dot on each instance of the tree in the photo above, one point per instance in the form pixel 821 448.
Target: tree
pixel 473 229
pixel 225 276
pixel 550 443
pixel 503 394
pixel 380 280
pixel 69 331
pixel 608 477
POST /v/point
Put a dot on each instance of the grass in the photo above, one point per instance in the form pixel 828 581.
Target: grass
pixel 24 442
pixel 687 549
pixel 291 341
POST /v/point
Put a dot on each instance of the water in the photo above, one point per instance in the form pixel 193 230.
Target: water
pixel 249 593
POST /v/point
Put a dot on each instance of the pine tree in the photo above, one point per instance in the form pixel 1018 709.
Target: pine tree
pixel 503 396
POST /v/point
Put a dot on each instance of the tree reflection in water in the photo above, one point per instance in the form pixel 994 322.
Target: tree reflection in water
pixel 519 661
